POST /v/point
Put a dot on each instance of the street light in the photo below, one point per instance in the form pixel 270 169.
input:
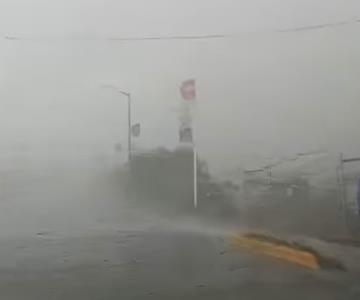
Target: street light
pixel 128 95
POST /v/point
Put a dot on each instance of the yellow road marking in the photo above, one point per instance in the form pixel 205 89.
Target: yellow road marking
pixel 299 257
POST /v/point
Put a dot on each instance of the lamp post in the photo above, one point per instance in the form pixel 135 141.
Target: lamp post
pixel 128 95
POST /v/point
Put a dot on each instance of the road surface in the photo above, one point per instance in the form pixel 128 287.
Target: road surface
pixel 155 265
pixel 68 235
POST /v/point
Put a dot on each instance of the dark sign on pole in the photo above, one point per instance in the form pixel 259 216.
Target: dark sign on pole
pixel 136 130
pixel 186 135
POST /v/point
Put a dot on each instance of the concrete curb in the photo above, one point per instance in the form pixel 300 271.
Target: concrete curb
pixel 289 251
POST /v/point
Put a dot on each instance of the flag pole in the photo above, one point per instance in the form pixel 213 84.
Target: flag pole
pixel 195 177
pixel 188 92
pixel 195 167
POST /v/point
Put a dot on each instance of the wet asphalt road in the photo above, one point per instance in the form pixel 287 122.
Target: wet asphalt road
pixel 72 237
pixel 155 265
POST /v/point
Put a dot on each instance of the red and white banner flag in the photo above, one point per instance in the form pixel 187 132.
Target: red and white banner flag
pixel 188 90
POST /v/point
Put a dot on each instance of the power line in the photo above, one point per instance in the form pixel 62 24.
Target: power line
pixel 318 26
pixel 120 39
pixel 178 37
pixel 175 37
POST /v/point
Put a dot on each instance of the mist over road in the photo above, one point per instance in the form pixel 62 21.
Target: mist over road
pixel 64 198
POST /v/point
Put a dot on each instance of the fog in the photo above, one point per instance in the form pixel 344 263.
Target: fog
pixel 267 90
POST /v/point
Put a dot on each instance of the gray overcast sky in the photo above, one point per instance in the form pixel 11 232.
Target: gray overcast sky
pixel 260 94
pixel 125 17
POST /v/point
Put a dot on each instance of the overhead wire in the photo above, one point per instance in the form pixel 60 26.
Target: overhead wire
pixel 178 37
